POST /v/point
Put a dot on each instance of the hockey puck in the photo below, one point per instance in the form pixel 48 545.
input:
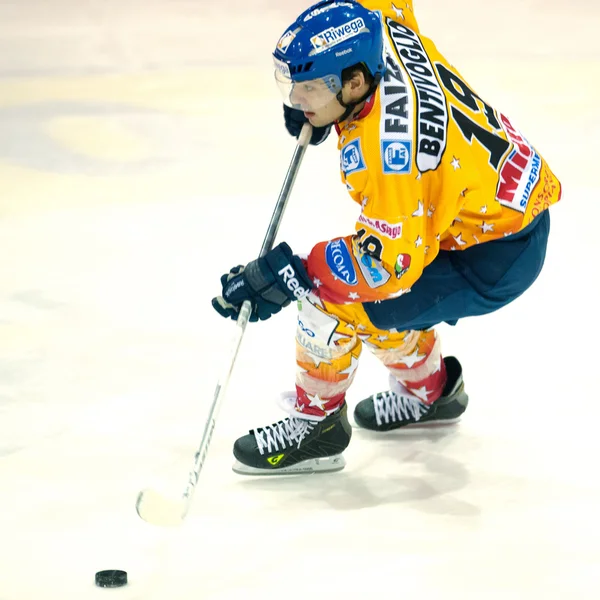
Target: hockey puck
pixel 111 579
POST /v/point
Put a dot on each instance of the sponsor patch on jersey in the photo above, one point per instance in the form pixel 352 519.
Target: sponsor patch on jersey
pixel 372 270
pixel 396 127
pixel 335 35
pixel 402 264
pixel 351 158
pixel 432 110
pixel 519 173
pixel 393 231
pixel 339 261
pixel 396 156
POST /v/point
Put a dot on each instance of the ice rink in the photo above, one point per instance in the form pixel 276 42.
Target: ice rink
pixel 141 153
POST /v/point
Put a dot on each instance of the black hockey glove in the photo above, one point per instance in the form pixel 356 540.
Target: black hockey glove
pixel 295 119
pixel 270 283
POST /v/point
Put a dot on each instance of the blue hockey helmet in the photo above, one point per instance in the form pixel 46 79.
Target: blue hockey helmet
pixel 324 40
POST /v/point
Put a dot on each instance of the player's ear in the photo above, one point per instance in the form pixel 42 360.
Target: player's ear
pixel 357 84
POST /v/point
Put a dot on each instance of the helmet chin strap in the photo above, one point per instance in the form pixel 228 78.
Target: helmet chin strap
pixel 350 106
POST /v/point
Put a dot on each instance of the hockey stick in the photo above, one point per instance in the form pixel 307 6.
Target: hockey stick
pixel 151 505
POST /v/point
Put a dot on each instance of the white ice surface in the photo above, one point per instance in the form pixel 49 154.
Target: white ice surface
pixel 141 152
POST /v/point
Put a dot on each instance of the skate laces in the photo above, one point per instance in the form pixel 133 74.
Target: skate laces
pixel 283 434
pixel 392 407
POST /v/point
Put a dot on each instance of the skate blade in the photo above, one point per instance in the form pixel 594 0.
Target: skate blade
pixel 431 424
pixel 414 427
pixel 306 467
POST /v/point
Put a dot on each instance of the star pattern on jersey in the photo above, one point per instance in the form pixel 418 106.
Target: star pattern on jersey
pixel 464 192
pixel 426 249
pixel 483 209
pixel 507 233
pixel 399 11
pixel 342 139
pixel 437 237
pixel 430 210
pixel 476 240
pixel 485 227
pixel 363 202
pixel 458 239
pixel 317 282
pixel 418 241
pixel 418 177
pixel 419 211
pixel 455 221
pixel 455 163
pixel 353 296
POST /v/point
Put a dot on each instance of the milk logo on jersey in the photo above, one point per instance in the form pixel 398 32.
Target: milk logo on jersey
pixel 339 260
pixel 286 39
pixel 432 117
pixel 351 158
pixel 372 270
pixel 519 173
pixel 328 7
pixel 335 35
pixel 396 126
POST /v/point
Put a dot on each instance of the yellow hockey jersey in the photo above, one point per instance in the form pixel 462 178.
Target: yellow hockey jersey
pixel 433 166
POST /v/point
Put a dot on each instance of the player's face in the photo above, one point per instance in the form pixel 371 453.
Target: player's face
pixel 316 100
pixel 325 115
pixel 311 98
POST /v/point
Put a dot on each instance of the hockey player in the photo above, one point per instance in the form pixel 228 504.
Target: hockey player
pixel 454 206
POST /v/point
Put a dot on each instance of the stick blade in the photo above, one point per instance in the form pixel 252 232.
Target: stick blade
pixel 157 509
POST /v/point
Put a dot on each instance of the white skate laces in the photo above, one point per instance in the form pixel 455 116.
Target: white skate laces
pixel 285 433
pixel 397 405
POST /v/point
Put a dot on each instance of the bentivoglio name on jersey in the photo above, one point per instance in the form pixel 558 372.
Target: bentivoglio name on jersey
pixel 432 111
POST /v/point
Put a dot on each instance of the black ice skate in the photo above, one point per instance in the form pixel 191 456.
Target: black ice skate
pixel 398 408
pixel 295 445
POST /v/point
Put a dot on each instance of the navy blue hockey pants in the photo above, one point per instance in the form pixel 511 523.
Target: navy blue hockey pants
pixel 467 283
